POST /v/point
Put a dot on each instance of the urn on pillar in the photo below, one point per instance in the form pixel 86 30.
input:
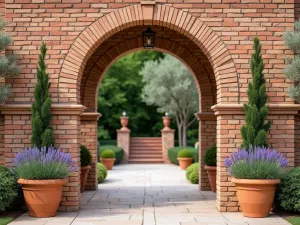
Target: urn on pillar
pixel 166 121
pixel 124 121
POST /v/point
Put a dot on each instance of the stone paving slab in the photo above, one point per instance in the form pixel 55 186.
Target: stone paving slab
pixel 157 194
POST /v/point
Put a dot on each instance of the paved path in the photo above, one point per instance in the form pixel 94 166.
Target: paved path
pixel 148 195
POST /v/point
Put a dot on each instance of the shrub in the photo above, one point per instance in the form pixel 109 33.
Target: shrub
pixel 102 172
pixel 192 173
pixel 44 164
pixel 185 153
pixel 108 154
pixel 173 152
pixel 85 156
pixel 119 152
pixel 288 192
pixel 257 163
pixel 8 188
pixel 210 156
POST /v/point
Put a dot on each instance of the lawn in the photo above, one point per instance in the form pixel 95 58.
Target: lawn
pixel 5 220
pixel 295 220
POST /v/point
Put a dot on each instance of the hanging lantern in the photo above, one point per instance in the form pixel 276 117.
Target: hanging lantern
pixel 148 38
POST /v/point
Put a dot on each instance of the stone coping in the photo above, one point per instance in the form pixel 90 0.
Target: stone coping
pixel 238 109
pixel 56 109
pixel 206 116
pixel 90 116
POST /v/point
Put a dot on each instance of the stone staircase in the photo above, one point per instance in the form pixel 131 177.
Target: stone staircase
pixel 145 150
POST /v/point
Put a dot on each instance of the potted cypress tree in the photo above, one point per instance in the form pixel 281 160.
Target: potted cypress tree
pixel 85 159
pixel 42 134
pixel 185 158
pixel 210 160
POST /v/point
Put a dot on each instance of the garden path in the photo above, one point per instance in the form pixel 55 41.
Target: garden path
pixel 152 194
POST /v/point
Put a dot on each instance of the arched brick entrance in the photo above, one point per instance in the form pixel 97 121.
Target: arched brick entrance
pixel 214 40
pixel 179 34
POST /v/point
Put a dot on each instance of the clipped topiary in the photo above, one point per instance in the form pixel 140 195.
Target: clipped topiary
pixel 119 152
pixel 194 177
pixel 288 191
pixel 85 156
pixel 102 172
pixel 210 156
pixel 8 188
pixel 185 153
pixel 108 154
pixel 173 152
pixel 191 169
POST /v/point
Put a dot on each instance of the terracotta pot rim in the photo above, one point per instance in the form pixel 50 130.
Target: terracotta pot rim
pixel 180 158
pixel 210 167
pixel 85 167
pixel 42 182
pixel 255 181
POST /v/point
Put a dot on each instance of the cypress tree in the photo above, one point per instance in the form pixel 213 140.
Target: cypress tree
pixel 42 134
pixel 8 63
pixel 255 131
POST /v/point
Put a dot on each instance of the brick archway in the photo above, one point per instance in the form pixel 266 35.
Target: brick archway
pixel 149 13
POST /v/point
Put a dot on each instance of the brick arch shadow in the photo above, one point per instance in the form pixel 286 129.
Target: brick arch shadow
pixel 90 85
pixel 205 38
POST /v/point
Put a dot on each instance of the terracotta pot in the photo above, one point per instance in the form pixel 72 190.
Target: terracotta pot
pixel 184 162
pixel 108 162
pixel 212 177
pixel 83 176
pixel 42 197
pixel 255 196
pixel 167 122
pixel 124 122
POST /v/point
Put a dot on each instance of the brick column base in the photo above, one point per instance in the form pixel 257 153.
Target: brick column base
pixel 167 138
pixel 88 137
pixel 123 141
pixel 207 137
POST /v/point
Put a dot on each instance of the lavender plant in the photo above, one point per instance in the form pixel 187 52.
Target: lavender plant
pixel 45 164
pixel 256 163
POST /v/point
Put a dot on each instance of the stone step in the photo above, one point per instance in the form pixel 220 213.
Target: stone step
pixel 145 161
pixel 145 152
pixel 157 156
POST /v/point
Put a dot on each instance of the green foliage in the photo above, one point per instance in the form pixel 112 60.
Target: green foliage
pixel 108 154
pixel 210 156
pixel 119 152
pixel 288 192
pixel 192 173
pixel 294 220
pixel 102 172
pixel 185 153
pixel 292 69
pixel 8 63
pixel 255 131
pixel 8 188
pixel 85 156
pixel 120 90
pixel 173 152
pixel 6 220
pixel 38 171
pixel 163 90
pixel 257 170
pixel 42 134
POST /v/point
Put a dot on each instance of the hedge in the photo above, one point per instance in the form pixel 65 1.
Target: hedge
pixel 117 150
pixel 173 152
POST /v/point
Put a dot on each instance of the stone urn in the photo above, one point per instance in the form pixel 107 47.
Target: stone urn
pixel 166 122
pixel 124 122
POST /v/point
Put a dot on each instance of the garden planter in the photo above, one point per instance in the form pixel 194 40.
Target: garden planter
pixel 255 196
pixel 184 162
pixel 108 162
pixel 42 197
pixel 83 177
pixel 212 176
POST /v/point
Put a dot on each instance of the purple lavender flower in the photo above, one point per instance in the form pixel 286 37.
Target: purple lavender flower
pixel 256 162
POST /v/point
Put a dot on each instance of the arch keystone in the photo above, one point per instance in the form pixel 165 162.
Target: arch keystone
pixel 148 11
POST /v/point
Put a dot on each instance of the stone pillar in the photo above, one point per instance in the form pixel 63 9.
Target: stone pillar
pixel 123 138
pixel 207 137
pixel 88 137
pixel 167 138
pixel 66 127
pixel 230 119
